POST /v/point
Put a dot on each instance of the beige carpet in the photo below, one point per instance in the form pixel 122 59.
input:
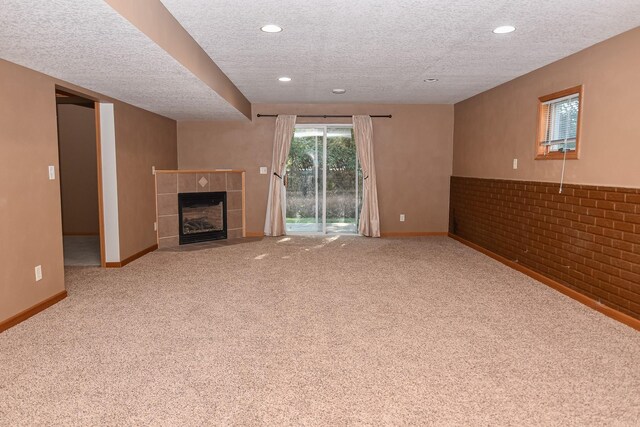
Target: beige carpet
pixel 313 331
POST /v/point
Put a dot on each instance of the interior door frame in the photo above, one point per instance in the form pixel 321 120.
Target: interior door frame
pixel 324 127
pixel 96 108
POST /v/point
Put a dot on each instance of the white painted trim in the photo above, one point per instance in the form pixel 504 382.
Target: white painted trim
pixel 109 183
pixel 324 181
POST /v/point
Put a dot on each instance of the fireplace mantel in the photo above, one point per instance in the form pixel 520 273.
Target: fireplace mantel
pixel 171 182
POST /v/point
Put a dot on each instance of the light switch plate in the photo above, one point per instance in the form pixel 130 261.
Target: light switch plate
pixel 52 173
pixel 263 170
pixel 515 163
pixel 38 273
pixel 401 217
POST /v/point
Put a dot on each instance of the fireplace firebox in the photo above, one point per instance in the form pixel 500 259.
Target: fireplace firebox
pixel 202 216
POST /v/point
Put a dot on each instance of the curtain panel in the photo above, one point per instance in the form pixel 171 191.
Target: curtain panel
pixel 369 216
pixel 274 224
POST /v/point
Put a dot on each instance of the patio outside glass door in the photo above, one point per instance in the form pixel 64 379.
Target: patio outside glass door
pixel 324 181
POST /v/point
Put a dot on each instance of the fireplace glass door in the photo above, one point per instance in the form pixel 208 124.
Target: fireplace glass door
pixel 202 216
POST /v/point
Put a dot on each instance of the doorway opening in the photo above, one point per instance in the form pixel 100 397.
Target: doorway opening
pixel 79 175
pixel 323 181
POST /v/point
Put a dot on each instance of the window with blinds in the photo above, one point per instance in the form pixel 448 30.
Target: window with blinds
pixel 559 124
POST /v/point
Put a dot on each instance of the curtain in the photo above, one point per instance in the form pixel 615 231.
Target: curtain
pixel 369 216
pixel 274 224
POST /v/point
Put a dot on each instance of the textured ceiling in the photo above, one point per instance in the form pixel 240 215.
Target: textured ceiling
pixel 89 44
pixel 382 50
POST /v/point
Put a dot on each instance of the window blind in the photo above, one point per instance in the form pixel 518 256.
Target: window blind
pixel 561 121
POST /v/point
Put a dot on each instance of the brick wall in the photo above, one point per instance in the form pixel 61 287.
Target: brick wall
pixel 587 238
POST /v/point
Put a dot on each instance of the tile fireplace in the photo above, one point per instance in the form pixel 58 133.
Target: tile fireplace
pixel 201 224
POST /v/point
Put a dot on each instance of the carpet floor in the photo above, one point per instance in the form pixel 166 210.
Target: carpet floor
pixel 318 331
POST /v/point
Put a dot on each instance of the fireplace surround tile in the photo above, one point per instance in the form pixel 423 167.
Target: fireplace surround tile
pixel 167 204
pixel 167 183
pixel 234 234
pixel 234 182
pixel 234 200
pixel 218 182
pixel 168 242
pixel 234 219
pixel 203 182
pixel 187 183
pixel 168 226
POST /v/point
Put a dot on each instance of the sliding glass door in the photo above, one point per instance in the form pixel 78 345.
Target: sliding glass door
pixel 342 189
pixel 305 181
pixel 323 180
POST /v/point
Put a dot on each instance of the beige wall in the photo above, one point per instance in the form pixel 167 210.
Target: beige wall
pixel 143 140
pixel 30 204
pixel 412 151
pixel 494 127
pixel 30 225
pixel 78 169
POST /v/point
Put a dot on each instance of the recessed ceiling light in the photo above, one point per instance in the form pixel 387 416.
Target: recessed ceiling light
pixel 284 79
pixel 431 80
pixel 504 29
pixel 339 91
pixel 271 28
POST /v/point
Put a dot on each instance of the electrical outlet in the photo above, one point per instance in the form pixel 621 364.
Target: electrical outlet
pixel 52 173
pixel 155 226
pixel 263 170
pixel 401 217
pixel 515 163
pixel 38 273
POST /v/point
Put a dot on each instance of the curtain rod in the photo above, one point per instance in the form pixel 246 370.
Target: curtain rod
pixel 326 116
